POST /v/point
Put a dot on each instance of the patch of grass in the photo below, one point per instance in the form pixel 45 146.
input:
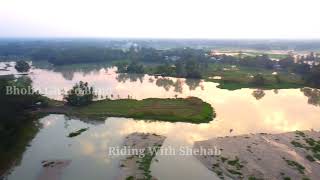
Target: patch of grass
pixel 317 156
pixel 241 77
pixel 145 162
pixel 191 109
pixel 234 172
pixel 310 158
pixel 235 163
pixel 310 141
pixel 78 132
pixel 130 178
pixel 297 144
pixel 295 165
pixel 300 133
pixel 223 159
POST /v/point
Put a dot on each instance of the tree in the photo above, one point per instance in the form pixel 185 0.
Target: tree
pixel 135 67
pixel 180 69
pixel 122 66
pixel 16 95
pixel 81 94
pixel 258 80
pixel 313 78
pixel 22 66
pixel 277 78
pixel 193 69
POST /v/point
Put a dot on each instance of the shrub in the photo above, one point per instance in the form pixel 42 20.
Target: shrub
pixel 81 94
pixel 258 80
pixel 22 66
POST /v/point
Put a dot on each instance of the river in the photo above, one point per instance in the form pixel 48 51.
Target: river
pixel 238 112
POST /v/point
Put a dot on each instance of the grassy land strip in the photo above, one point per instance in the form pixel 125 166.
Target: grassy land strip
pixel 238 77
pixel 191 109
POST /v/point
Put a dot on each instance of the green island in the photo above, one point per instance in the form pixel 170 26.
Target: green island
pixel 191 109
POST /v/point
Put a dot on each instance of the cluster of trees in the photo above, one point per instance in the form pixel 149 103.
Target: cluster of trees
pixel 311 74
pixel 81 94
pixel 130 67
pixel 22 66
pixel 15 118
pixel 312 78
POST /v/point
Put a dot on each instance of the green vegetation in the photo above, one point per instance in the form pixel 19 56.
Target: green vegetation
pixel 310 158
pixel 132 67
pixel 22 66
pixel 237 77
pixel 17 125
pixel 191 109
pixel 234 172
pixel 295 165
pixel 146 160
pixel 80 94
pixel 130 178
pixel 235 163
pixel 310 145
pixel 181 62
pixel 258 80
pixel 297 144
pixel 78 132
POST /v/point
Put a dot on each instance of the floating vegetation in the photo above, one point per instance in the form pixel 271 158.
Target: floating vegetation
pixel 78 132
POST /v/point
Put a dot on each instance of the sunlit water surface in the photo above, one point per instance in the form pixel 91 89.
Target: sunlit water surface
pixel 244 111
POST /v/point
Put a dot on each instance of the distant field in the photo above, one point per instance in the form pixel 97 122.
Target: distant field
pixel 236 77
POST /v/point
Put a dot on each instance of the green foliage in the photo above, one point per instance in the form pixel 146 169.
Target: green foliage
pixel 16 104
pixel 192 109
pixel 258 80
pixel 295 165
pixel 135 67
pixel 81 94
pixel 78 132
pixel 313 78
pixel 132 67
pixel 122 66
pixel 193 69
pixel 22 66
pixel 16 125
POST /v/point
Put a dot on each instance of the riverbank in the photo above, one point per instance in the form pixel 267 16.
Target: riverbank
pixel 137 166
pixel 292 155
pixel 191 109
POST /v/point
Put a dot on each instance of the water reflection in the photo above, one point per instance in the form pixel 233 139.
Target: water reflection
pixel 194 83
pixel 178 84
pixel 258 94
pixel 313 95
pixel 124 77
pixel 239 110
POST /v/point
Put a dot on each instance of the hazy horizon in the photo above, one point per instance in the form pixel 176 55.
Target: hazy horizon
pixel 149 19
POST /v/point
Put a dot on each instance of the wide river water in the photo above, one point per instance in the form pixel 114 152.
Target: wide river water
pixel 244 111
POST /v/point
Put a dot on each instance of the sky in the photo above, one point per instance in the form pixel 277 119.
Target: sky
pixel 217 19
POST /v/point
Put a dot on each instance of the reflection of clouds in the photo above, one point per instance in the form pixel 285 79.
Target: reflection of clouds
pixel 237 109
pixel 87 147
